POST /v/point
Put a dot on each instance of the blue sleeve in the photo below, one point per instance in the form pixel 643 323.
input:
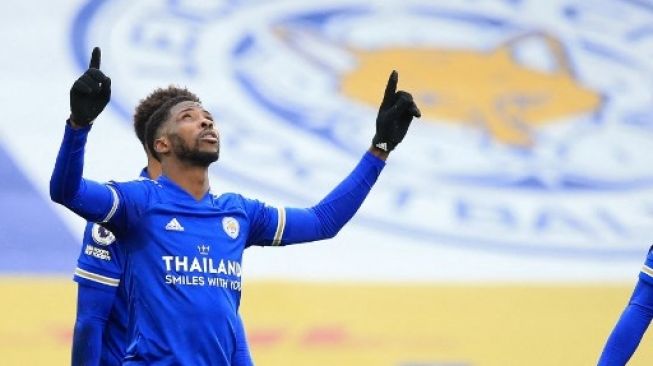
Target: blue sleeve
pixel 646 274
pixel 116 205
pixel 101 260
pixel 93 308
pixel 283 226
pixel 91 200
pixel 630 328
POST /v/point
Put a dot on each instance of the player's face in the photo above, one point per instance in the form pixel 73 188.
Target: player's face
pixel 193 135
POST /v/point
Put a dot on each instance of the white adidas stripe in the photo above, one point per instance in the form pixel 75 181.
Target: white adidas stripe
pixel 281 226
pixel 114 207
pixel 114 282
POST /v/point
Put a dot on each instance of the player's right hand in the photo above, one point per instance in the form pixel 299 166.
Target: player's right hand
pixel 90 93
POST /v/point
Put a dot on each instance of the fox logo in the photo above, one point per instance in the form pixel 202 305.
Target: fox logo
pixel 494 90
pixel 231 227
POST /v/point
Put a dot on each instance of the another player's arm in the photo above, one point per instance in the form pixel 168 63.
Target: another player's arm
pixel 635 319
pixel 325 219
pixel 94 305
pixel 98 279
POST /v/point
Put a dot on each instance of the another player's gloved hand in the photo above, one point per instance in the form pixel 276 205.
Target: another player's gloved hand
pixel 395 114
pixel 90 93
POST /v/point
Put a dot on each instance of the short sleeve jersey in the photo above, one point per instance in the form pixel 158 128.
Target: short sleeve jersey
pixel 183 268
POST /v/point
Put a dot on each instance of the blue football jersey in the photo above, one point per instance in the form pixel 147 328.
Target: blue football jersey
pixel 182 272
pixel 183 268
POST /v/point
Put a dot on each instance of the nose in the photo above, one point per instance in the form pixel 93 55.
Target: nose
pixel 207 124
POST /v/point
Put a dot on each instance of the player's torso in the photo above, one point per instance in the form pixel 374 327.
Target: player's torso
pixel 183 274
pixel 191 249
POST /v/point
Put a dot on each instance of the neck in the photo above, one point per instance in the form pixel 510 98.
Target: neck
pixel 193 179
pixel 153 167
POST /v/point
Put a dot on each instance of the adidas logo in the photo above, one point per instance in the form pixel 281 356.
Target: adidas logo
pixel 383 146
pixel 174 225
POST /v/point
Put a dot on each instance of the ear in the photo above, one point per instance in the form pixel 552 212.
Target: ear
pixel 162 145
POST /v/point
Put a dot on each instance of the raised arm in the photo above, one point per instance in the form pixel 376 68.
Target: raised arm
pixel 324 220
pixel 88 97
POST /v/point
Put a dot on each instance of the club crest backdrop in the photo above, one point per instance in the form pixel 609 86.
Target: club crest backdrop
pixel 526 186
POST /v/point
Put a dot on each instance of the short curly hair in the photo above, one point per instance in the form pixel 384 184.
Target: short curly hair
pixel 148 105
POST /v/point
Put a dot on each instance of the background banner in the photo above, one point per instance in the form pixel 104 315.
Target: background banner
pixel 527 181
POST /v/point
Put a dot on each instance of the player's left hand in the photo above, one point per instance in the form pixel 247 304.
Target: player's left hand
pixel 395 115
pixel 90 93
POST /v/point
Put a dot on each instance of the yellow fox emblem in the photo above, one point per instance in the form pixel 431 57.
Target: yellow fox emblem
pixel 490 90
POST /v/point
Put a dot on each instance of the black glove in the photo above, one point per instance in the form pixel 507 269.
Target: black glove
pixel 90 93
pixel 395 114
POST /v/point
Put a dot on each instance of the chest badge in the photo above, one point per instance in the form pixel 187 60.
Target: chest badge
pixel 231 227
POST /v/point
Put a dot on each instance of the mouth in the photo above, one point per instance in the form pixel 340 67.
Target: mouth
pixel 209 137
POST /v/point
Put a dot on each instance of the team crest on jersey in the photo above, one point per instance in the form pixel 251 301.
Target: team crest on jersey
pixel 231 227
pixel 101 235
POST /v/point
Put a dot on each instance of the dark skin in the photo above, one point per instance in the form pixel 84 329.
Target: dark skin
pixel 194 127
pixel 383 155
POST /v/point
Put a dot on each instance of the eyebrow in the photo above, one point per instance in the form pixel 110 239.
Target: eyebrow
pixel 185 110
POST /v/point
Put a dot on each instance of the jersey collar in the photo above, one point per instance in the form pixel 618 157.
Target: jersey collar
pixel 179 192
pixel 144 173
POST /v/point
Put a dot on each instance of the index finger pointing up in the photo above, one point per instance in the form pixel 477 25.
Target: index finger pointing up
pixel 391 88
pixel 95 59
